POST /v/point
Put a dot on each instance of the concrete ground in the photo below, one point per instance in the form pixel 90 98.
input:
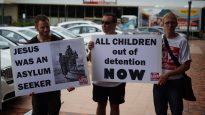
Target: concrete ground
pixel 138 100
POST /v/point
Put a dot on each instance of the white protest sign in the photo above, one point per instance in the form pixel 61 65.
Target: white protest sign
pixel 127 58
pixel 49 66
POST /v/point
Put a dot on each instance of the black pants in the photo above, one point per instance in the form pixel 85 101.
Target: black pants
pixel 170 93
pixel 116 95
pixel 48 103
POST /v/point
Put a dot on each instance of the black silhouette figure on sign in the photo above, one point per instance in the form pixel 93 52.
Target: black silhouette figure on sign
pixel 68 62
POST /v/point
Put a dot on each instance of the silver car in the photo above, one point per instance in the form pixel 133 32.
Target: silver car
pixel 7 83
pixel 17 35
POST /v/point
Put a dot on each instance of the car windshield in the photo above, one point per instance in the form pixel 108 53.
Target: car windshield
pixel 143 29
pixel 161 29
pixel 125 20
pixel 28 33
pixel 64 32
pixel 4 44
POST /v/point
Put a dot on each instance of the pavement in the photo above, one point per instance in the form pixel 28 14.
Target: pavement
pixel 138 99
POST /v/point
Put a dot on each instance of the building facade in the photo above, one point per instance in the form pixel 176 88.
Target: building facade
pixel 63 10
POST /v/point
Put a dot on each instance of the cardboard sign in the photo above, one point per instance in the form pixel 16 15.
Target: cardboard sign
pixel 127 58
pixel 49 66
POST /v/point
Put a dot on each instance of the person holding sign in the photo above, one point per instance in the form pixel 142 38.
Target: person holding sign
pixel 115 91
pixel 48 103
pixel 169 87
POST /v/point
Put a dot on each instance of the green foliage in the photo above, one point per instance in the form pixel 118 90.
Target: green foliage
pixel 22 24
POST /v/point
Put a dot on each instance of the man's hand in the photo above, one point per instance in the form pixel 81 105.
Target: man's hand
pixel 163 79
pixel 90 45
pixel 71 89
pixel 31 94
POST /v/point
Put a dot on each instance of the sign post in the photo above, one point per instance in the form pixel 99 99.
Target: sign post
pixel 188 20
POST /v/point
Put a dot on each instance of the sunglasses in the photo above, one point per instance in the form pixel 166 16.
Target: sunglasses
pixel 106 22
pixel 168 23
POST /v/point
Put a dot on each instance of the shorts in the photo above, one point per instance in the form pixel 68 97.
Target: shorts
pixel 46 103
pixel 116 95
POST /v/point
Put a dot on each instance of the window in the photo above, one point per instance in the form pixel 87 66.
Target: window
pixel 98 12
pixel 130 11
pixel 3 43
pixel 71 11
pixel 45 10
pixel 80 12
pixel 68 25
pixel 62 11
pixel 12 36
pixel 37 10
pixel 117 11
pixel 153 30
pixel 28 33
pixel 92 30
pixel 21 10
pixel 143 29
pixel 84 30
pixel 54 11
pixel 75 30
pixel 29 11
pixel 107 9
pixel 88 11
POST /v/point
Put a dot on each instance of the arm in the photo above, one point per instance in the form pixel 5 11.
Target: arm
pixel 179 70
pixel 71 89
pixel 90 47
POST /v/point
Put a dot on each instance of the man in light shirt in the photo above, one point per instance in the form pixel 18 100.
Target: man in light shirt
pixel 102 91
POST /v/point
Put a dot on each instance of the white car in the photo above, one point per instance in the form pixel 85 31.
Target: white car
pixel 7 91
pixel 158 30
pixel 73 23
pixel 17 35
pixel 62 32
pixel 9 42
pixel 58 31
pixel 85 30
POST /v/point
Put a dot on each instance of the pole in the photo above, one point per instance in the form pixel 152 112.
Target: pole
pixel 188 20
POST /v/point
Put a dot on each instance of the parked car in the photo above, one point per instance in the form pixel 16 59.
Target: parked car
pixel 7 84
pixel 73 23
pixel 17 35
pixel 150 30
pixel 85 30
pixel 158 30
pixel 58 31
pixel 10 43
pixel 62 32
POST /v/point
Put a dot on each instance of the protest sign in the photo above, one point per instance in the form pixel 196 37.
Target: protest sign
pixel 127 58
pixel 49 66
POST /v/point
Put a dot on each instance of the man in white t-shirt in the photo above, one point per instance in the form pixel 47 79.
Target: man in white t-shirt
pixel 102 91
pixel 169 87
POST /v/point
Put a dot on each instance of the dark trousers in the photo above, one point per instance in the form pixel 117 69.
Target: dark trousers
pixel 170 93
pixel 48 103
